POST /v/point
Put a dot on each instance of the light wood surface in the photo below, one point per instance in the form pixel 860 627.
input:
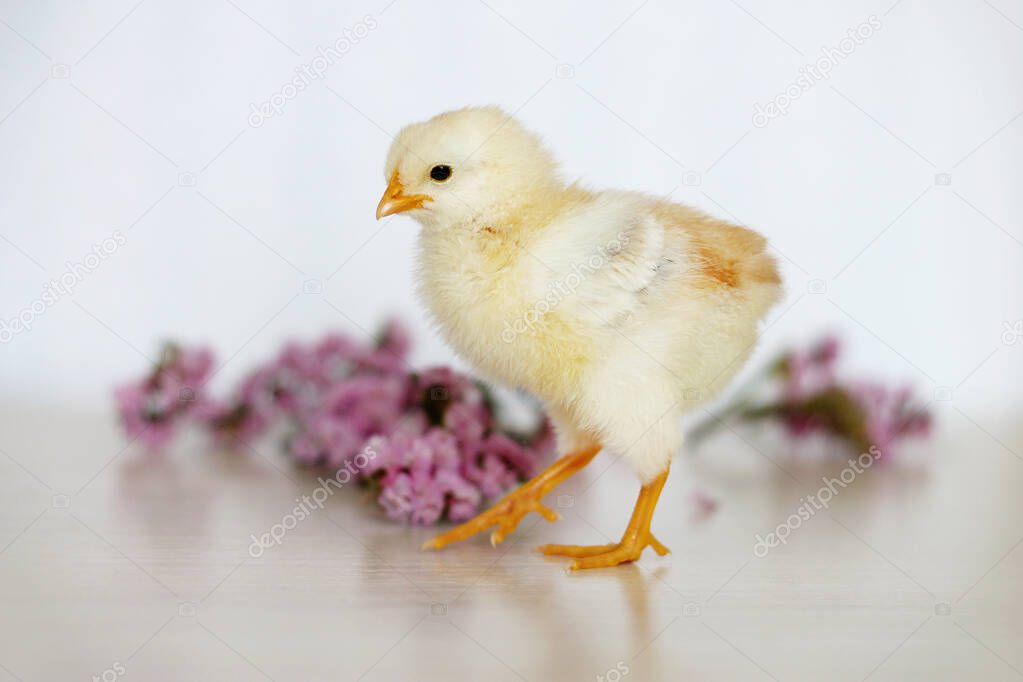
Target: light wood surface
pixel 115 564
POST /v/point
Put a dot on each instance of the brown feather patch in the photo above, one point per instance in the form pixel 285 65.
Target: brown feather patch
pixel 717 267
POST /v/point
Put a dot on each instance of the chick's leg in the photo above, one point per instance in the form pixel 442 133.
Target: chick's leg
pixel 507 513
pixel 636 538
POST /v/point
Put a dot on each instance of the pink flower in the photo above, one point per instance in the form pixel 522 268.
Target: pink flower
pixel 340 439
pixel 336 358
pixel 464 499
pixel 249 414
pixel 510 453
pixel 433 475
pixel 462 510
pixel 396 497
pixel 438 387
pixel 810 399
pixel 152 409
pixel 191 365
pixel 825 352
pixel 438 452
pixel 390 354
pixel 808 372
pixel 703 504
pixel 469 423
pixel 428 499
pixel 232 422
pixel 305 448
pixel 394 339
pixel 889 416
pixel 144 415
pixel 370 404
pixel 813 400
pixel 491 474
pixel 414 497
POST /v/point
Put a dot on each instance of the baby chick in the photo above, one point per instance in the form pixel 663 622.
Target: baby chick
pixel 620 310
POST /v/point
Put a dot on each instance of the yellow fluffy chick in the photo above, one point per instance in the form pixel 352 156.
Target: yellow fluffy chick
pixel 620 310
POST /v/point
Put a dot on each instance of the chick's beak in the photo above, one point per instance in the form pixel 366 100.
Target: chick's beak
pixel 396 201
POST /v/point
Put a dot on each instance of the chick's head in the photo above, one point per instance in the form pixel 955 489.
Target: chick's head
pixel 464 166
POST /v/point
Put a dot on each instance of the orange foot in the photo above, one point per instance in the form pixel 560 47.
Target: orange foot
pixel 637 536
pixel 507 513
pixel 604 556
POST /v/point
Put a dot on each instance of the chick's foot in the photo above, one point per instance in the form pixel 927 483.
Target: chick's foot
pixel 507 513
pixel 637 535
pixel 604 556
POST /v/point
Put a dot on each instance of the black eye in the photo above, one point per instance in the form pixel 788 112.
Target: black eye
pixel 440 173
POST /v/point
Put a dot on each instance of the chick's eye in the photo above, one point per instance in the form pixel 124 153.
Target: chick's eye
pixel 440 173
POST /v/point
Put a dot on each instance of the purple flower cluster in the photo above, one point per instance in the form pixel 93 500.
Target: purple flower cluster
pixel 425 477
pixel 810 399
pixel 890 415
pixel 866 413
pixel 153 408
pixel 441 453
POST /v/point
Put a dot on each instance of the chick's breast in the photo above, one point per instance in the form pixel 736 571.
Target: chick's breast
pixel 491 302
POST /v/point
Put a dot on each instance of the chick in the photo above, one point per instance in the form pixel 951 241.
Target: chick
pixel 619 310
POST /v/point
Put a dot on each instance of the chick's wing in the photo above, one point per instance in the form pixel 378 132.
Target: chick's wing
pixel 603 259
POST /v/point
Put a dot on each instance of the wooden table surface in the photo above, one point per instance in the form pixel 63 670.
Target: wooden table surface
pixel 116 564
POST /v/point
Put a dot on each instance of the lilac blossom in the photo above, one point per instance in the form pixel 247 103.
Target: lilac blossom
pixel 440 452
pixel 152 409
pixel 812 400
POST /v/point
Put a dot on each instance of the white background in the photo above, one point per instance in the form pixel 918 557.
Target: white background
pixel 920 277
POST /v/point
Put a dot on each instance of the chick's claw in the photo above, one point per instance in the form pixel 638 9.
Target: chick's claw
pixel 506 515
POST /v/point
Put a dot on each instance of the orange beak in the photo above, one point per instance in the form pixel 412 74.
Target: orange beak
pixel 395 200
